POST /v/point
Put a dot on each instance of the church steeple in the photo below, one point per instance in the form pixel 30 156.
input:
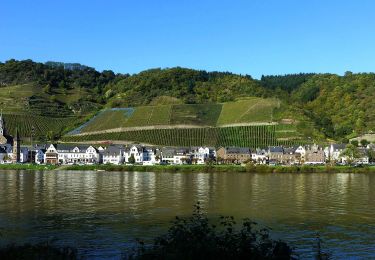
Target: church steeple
pixel 1 124
pixel 16 148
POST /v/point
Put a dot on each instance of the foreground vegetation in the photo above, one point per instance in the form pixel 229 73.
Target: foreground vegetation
pixel 26 166
pixel 197 237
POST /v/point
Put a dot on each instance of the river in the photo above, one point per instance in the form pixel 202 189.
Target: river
pixel 102 213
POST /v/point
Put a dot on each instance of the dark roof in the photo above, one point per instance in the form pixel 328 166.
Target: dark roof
pixel 113 150
pixel 276 149
pixel 238 150
pixel 339 146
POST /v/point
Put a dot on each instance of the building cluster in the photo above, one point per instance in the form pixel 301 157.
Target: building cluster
pixel 144 155
pixel 12 152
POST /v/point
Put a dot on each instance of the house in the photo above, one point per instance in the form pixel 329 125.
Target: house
pixel 333 152
pixel 113 155
pixel 134 151
pixel 314 155
pixel 259 156
pixel 51 155
pixel 66 154
pixel 182 156
pixel 290 156
pixel 275 154
pixel 151 156
pixel 167 155
pixel 81 154
pixel 200 155
pixel 39 155
pixel 175 156
pixel 301 150
pixel 363 158
pixel 24 155
pixel 234 154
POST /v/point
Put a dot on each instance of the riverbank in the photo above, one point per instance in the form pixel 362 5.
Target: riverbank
pixel 31 167
pixel 195 168
pixel 226 168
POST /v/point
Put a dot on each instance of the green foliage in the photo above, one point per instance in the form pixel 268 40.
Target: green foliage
pixel 132 159
pixel 196 237
pixel 190 86
pixel 339 106
pixel 364 142
pixel 287 82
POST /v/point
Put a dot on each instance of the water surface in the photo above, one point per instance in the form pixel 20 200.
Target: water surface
pixel 102 213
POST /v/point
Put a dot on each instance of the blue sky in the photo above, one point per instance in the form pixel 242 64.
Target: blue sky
pixel 252 37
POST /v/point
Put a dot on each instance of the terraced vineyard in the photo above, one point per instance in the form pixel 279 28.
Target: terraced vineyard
pixel 248 110
pixel 251 110
pixel 41 125
pixel 243 136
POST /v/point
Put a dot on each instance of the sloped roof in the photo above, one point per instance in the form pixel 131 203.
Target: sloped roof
pixel 276 149
pixel 238 150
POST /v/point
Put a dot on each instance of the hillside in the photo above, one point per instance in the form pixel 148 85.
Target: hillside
pixel 58 97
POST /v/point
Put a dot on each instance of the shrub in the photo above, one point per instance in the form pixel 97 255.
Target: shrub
pixel 195 237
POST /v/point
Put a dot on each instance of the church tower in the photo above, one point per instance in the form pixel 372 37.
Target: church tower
pixel 16 148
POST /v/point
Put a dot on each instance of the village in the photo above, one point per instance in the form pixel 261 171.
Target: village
pixel 11 151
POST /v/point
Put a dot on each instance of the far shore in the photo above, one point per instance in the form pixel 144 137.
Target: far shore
pixel 194 168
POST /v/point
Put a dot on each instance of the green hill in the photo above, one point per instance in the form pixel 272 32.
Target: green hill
pixel 317 106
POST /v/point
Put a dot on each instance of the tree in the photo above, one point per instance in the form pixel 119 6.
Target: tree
pixel 354 142
pixel 351 153
pixel 371 155
pixel 132 159
pixel 364 142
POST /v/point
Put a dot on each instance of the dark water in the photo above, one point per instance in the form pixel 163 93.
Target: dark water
pixel 102 213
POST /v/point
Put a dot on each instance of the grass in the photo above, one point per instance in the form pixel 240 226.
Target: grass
pixel 32 167
pixel 12 98
pixel 200 114
pixel 225 168
pixel 106 120
pixel 247 110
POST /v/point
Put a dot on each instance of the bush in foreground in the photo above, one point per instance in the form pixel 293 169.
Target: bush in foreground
pixel 196 238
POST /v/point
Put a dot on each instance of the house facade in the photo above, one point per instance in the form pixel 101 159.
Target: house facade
pixel 234 154
pixel 113 155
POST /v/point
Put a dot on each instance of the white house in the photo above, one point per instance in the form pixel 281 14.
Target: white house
pixel 181 156
pixel 201 154
pixel 135 151
pixel 333 152
pixel 259 156
pixel 113 155
pixel 65 154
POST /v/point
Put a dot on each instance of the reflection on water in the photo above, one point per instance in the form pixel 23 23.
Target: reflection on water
pixel 102 212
